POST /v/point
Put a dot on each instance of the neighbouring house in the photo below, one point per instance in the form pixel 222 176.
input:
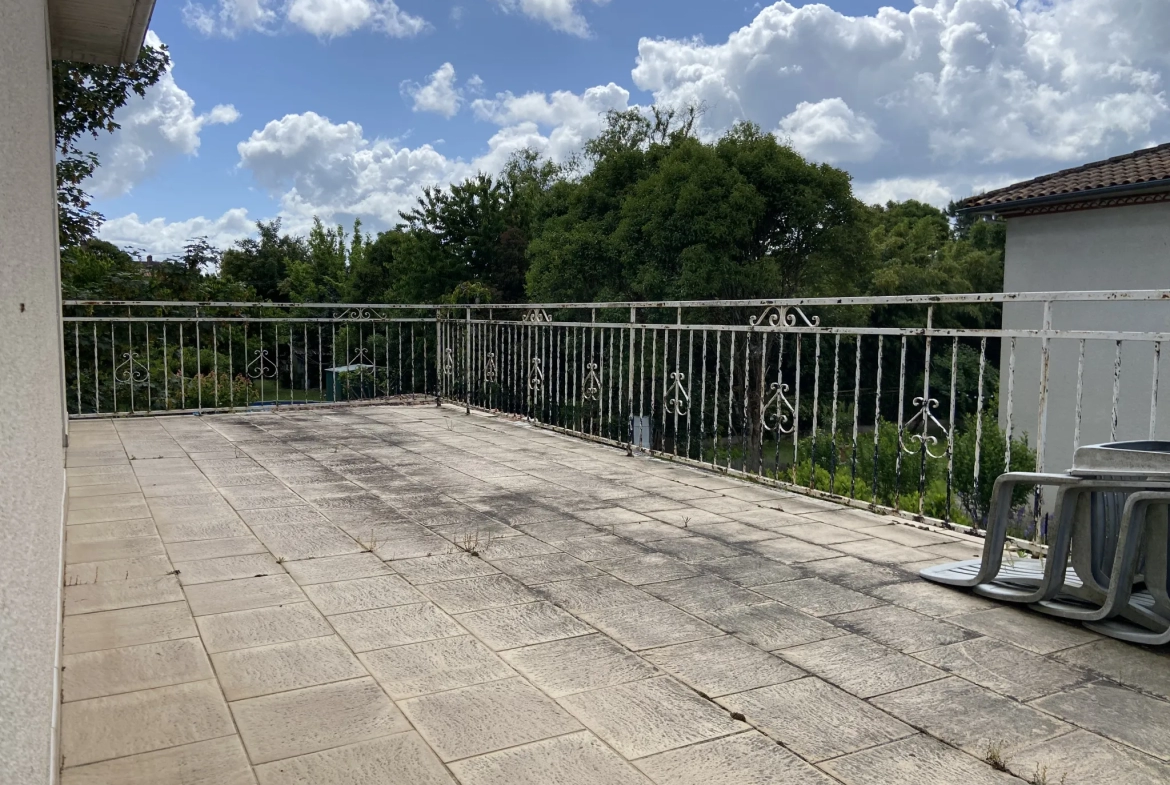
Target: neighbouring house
pixel 1104 226
pixel 33 425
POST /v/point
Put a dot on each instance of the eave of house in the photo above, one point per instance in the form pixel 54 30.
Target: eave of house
pixel 1112 196
pixel 104 32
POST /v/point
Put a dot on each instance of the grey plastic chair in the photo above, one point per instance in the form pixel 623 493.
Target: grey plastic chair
pixel 1028 573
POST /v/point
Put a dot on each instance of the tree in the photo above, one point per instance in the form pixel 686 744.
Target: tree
pixel 263 262
pixel 86 97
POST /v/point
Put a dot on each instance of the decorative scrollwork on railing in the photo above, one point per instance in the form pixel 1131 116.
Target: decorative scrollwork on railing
pixel 490 372
pixel 261 366
pixel 591 387
pixel 677 400
pixel 360 315
pixel 361 358
pixel 774 410
pixel 537 315
pixel 773 315
pixel 449 362
pixel 131 370
pixel 536 375
pixel 924 418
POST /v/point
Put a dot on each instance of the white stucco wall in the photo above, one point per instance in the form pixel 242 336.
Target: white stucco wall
pixel 1109 249
pixel 31 422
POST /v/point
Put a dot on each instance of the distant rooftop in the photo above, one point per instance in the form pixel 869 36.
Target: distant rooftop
pixel 1140 172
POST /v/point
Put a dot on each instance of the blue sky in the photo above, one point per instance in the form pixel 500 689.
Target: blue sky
pixel 295 108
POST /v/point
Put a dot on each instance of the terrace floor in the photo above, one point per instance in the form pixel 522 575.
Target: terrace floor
pixel 289 598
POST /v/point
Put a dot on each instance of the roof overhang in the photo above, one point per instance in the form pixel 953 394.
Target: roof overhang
pixel 104 32
pixel 1085 199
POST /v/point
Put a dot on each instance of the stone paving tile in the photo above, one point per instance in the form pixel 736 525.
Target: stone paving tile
pixel 113 512
pixel 817 597
pixel 1117 713
pixel 919 760
pixel 902 629
pixel 647 568
pixel 111 530
pixel 610 516
pixel 557 531
pixel 932 599
pixel 1144 669
pixel 196 550
pixel 107 550
pixel 860 666
pixel 853 573
pixel 241 595
pixel 516 547
pixel 305 540
pixel 767 518
pixel 653 715
pixel 309 720
pixel 247 673
pixel 127 627
pixel 228 568
pixel 592 549
pixel 721 666
pixel 574 759
pixel 134 722
pixel 772 625
pixel 402 624
pixel 883 552
pixel 648 531
pixel 363 594
pixel 574 665
pixel 1026 629
pixel 113 595
pixel 262 627
pixel 815 719
pixel 336 568
pixel 118 570
pixel 696 550
pixel 281 515
pixel 522 625
pixel 219 761
pixel 130 668
pixel 733 532
pixel 532 570
pixel 792 551
pixel 823 533
pixel 744 759
pixel 984 719
pixel 703 593
pixel 402 759
pixel 1082 758
pixel 1006 669
pixel 477 594
pixel 434 666
pixel 485 718
pixel 435 569
pixel 202 529
pixel 752 571
pixel 648 625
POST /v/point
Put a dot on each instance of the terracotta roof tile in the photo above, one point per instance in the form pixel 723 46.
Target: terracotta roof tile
pixel 1142 166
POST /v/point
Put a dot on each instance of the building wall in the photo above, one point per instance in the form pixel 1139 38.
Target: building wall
pixel 1110 249
pixel 32 480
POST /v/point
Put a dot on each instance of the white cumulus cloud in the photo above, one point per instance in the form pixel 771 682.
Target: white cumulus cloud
pixel 155 128
pixel 561 15
pixel 322 18
pixel 941 92
pixel 439 94
pixel 162 238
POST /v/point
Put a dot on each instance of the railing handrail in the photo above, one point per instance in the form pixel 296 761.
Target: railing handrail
pixel 1126 295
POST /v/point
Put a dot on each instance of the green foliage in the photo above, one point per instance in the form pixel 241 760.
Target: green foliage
pixel 85 98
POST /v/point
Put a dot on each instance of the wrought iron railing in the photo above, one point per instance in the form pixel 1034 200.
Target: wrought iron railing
pixel 909 403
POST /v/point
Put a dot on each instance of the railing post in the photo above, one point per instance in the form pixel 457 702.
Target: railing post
pixel 630 429
pixel 467 367
pixel 438 358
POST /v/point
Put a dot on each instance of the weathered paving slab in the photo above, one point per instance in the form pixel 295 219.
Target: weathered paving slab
pixel 814 719
pixel 522 625
pixel 721 666
pixel 860 666
pixel 575 759
pixel 733 760
pixel 433 666
pixel 919 760
pixel 575 665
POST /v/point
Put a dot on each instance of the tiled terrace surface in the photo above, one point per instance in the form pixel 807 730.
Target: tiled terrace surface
pixel 285 598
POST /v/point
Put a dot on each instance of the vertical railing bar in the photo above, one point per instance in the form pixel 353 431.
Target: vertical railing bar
pixel 856 415
pixel 677 380
pixel 763 376
pixel 833 422
pixel 730 396
pixel 690 387
pixel 951 429
pixel 796 414
pixel 130 362
pixel 747 377
pixel 816 405
pixel 923 451
pixel 1154 391
pixel 703 398
pixel 199 359
pixel 715 401
pixel 183 366
pixel 1116 394
pixel 97 383
pixel 979 424
pixel 231 376
pixel 877 421
pixel 898 445
pixel 779 400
